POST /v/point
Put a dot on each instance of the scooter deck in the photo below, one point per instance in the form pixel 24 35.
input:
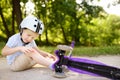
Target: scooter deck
pixel 94 69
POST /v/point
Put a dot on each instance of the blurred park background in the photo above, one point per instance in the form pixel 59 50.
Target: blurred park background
pixel 94 30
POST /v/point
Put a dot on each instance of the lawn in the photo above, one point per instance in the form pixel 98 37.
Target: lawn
pixel 83 51
pixel 89 51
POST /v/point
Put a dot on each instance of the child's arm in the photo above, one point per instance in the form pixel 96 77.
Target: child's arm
pixel 7 50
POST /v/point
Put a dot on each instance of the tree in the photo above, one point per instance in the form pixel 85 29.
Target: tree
pixel 64 20
pixel 4 23
pixel 14 14
pixel 4 8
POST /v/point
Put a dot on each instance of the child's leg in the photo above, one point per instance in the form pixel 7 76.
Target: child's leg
pixel 40 59
pixel 22 62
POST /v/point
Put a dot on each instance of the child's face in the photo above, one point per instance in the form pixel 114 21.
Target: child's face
pixel 28 35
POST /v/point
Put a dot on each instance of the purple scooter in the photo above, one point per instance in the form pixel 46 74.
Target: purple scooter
pixel 84 66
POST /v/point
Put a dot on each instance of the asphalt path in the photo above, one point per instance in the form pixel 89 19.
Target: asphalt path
pixel 39 72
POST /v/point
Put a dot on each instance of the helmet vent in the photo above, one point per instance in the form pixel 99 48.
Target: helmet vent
pixel 35 19
pixel 34 25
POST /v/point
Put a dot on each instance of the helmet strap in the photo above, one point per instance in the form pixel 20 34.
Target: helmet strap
pixel 24 42
pixel 21 31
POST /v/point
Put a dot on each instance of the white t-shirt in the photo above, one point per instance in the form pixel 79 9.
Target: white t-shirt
pixel 15 41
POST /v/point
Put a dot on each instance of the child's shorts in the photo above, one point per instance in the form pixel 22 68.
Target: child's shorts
pixel 22 62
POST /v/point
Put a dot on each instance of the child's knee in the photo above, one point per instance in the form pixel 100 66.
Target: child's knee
pixel 32 54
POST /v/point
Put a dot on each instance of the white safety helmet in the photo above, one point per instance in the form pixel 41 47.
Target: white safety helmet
pixel 32 23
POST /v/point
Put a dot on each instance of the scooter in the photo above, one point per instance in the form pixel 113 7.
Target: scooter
pixel 84 66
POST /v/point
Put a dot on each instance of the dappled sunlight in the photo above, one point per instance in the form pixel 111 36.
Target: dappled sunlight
pixel 29 7
pixel 85 21
pixel 109 6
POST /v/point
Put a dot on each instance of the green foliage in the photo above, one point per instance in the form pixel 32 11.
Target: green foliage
pixel 6 29
pixel 66 20
pixel 2 44
pixel 106 31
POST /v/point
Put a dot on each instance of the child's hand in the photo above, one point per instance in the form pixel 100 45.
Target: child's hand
pixel 52 57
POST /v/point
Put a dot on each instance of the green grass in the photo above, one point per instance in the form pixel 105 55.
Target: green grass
pixel 96 51
pixel 2 44
pixel 49 49
pixel 89 51
pixel 83 51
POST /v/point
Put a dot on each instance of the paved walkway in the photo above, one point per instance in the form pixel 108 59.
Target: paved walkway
pixel 42 73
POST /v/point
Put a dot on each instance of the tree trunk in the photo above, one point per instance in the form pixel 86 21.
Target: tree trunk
pixel 13 22
pixel 17 11
pixel 65 37
pixel 4 23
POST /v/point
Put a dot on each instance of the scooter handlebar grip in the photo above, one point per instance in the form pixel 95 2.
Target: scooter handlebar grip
pixel 72 44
